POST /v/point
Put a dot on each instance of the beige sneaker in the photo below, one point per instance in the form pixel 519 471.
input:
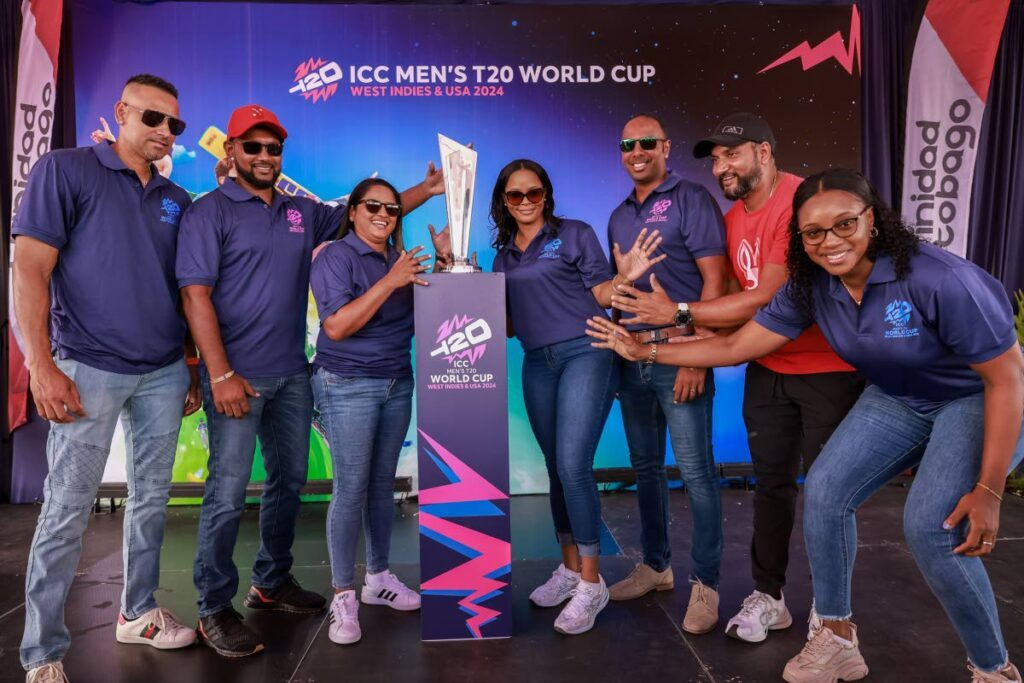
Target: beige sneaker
pixel 1007 675
pixel 702 612
pixel 641 581
pixel 47 673
pixel 827 659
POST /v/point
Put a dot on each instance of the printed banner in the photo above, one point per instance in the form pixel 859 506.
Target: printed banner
pixel 949 78
pixel 33 126
pixel 462 403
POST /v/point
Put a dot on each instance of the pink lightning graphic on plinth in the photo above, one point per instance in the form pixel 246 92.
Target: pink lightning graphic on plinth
pixel 473 577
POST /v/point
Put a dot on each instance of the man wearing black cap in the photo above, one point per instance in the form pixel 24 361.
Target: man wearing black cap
pixel 243 262
pixel 794 398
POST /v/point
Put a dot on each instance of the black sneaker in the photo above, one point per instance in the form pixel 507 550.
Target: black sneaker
pixel 227 635
pixel 288 597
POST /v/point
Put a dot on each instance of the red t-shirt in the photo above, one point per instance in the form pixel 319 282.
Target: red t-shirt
pixel 755 239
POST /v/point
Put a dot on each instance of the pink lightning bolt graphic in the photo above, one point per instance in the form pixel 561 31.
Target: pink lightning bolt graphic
pixel 832 47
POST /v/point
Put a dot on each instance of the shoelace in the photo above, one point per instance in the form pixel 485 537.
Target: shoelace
pixel 164 618
pixel 751 603
pixel 580 602
pixel 980 677
pixel 819 644
pixel 50 674
pixel 393 583
pixel 342 609
pixel 702 592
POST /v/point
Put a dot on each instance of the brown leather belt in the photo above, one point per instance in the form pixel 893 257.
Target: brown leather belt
pixel 661 334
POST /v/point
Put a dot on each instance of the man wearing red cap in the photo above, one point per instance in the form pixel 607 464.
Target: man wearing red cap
pixel 243 261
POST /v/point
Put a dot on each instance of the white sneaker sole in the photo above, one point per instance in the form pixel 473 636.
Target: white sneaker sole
pixel 159 645
pixel 849 671
pixel 586 626
pixel 344 641
pixel 732 630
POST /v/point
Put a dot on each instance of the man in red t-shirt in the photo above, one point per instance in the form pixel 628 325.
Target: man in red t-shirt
pixel 794 398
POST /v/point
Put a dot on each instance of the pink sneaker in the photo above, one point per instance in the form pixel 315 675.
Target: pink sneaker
pixel 826 658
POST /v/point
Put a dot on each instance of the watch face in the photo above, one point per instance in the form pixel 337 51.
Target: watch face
pixel 682 318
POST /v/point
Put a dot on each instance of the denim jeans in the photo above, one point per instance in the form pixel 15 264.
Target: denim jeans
pixel 880 438
pixel 149 407
pixel 645 392
pixel 568 389
pixel 280 417
pixel 366 419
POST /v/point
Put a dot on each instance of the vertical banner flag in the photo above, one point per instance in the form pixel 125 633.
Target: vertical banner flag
pixel 33 127
pixel 949 78
pixel 462 420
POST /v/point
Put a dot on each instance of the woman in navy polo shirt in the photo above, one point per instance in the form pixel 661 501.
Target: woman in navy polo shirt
pixel 934 336
pixel 557 276
pixel 363 388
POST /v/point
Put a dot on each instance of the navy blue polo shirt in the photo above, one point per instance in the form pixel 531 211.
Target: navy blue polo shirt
pixel 915 337
pixel 691 228
pixel 257 260
pixel 549 284
pixel 343 272
pixel 114 299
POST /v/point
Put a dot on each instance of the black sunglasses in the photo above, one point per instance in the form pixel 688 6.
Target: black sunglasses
pixel 253 148
pixel 374 206
pixel 153 118
pixel 628 144
pixel 515 197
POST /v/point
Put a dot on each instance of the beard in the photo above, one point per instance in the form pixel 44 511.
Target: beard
pixel 744 184
pixel 258 183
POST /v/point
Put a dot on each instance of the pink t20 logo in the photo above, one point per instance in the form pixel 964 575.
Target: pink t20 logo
pixel 657 214
pixel 295 221
pixel 462 337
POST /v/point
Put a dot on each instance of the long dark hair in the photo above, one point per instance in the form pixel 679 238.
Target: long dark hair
pixel 357 195
pixel 891 236
pixel 504 223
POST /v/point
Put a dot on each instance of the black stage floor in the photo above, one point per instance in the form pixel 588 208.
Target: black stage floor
pixel 904 634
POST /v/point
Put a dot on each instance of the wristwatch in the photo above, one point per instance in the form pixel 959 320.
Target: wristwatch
pixel 683 317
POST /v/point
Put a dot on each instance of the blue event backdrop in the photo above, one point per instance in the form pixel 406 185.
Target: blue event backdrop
pixel 688 64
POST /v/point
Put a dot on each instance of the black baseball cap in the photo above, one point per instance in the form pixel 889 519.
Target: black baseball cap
pixel 736 129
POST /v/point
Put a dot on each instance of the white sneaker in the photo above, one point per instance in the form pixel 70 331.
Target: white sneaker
pixel 385 588
pixel 587 600
pixel 157 628
pixel 47 673
pixel 557 589
pixel 344 614
pixel 759 614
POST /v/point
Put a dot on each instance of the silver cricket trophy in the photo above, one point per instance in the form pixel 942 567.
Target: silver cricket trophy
pixel 459 165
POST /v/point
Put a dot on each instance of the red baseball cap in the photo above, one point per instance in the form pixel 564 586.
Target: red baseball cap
pixel 251 115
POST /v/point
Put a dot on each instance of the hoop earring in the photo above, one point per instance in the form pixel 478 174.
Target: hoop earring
pixel 874 232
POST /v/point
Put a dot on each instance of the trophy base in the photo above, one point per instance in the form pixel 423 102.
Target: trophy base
pixel 463 268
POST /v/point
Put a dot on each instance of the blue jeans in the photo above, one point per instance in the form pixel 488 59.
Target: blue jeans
pixel 645 392
pixel 568 389
pixel 880 438
pixel 366 419
pixel 149 407
pixel 281 417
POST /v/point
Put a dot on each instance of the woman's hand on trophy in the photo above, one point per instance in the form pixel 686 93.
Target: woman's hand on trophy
pixel 433 183
pixel 408 268
pixel 442 240
pixel 638 260
pixel 615 337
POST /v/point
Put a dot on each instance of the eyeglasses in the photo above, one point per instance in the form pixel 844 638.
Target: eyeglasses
pixel 628 144
pixel 515 197
pixel 374 206
pixel 153 118
pixel 253 148
pixel 843 228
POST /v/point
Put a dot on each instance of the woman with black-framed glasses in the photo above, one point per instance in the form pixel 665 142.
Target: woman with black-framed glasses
pixel 933 334
pixel 363 386
pixel 556 277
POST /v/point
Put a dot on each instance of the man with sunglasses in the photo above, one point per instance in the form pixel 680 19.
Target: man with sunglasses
pixel 95 293
pixel 655 396
pixel 243 266
pixel 794 398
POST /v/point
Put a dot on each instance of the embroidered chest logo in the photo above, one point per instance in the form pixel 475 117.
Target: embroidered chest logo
pixel 657 214
pixel 551 249
pixel 170 212
pixel 295 221
pixel 748 262
pixel 897 320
